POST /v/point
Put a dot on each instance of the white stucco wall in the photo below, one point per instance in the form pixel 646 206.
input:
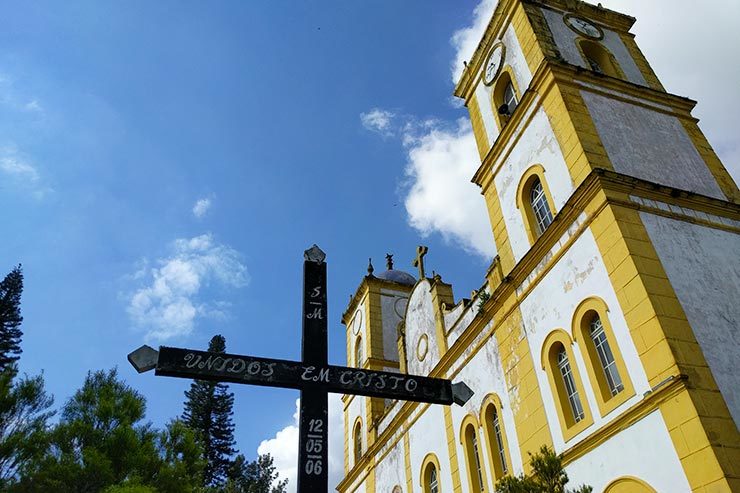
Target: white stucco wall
pixel 420 322
pixel 628 453
pixel 651 145
pixel 578 275
pixel 428 436
pixel 703 265
pixel 391 470
pixel 537 145
pixel 565 39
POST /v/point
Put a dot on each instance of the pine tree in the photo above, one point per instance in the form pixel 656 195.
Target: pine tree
pixel 10 318
pixel 208 411
pixel 258 476
pixel 102 442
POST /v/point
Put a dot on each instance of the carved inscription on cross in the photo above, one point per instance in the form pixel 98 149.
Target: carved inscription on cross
pixel 313 376
pixel 421 251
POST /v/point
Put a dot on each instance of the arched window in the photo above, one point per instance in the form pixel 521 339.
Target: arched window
pixel 535 202
pixel 567 388
pixel 469 437
pixel 358 441
pixel 510 98
pixel 599 59
pixel 628 484
pixel 499 440
pixel 505 97
pixel 606 357
pixel 540 206
pixel 432 481
pixel 358 352
pixel 569 383
pixel 604 362
pixel 493 427
pixel 430 477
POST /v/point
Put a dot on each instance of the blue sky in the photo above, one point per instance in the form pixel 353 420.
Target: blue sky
pixel 163 165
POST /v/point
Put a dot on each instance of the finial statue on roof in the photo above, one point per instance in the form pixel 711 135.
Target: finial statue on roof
pixel 370 268
pixel 419 260
pixel 389 261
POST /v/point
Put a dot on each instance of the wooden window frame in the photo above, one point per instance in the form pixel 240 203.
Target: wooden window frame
pixel 581 335
pixel 569 427
pixel 533 173
pixel 492 401
pixel 477 483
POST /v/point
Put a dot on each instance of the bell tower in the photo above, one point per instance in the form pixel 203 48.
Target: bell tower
pixel 373 321
pixel 564 82
pixel 602 190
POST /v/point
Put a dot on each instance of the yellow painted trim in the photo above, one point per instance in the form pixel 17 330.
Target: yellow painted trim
pixel 452 450
pixel 470 422
pixel 570 428
pixel 628 40
pixel 407 463
pixel 536 171
pixel 723 178
pixel 345 422
pixel 580 330
pixel 479 127
pixel 629 484
pixel 490 402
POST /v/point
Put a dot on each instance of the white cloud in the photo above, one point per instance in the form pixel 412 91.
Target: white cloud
pixel 466 40
pixel 17 168
pixel 201 207
pixel 283 447
pixel 18 171
pixel 168 306
pixel 439 196
pixel 379 121
pixel 33 105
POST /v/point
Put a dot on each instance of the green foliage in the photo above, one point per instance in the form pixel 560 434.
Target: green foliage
pixel 100 443
pixel 24 411
pixel 258 476
pixel 10 318
pixel 547 476
pixel 181 455
pixel 208 412
pixel 483 296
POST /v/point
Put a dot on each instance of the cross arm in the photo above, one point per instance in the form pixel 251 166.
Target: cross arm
pixel 202 365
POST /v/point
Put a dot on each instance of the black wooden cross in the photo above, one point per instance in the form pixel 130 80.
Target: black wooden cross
pixel 313 376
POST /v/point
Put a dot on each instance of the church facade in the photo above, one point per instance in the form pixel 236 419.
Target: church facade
pixel 607 326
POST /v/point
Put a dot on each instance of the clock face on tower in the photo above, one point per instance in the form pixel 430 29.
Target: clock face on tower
pixel 582 26
pixel 493 64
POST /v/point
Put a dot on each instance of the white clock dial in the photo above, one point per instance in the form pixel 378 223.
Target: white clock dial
pixel 493 64
pixel 357 322
pixel 584 27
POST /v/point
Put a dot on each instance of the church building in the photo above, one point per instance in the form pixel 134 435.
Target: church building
pixel 608 325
